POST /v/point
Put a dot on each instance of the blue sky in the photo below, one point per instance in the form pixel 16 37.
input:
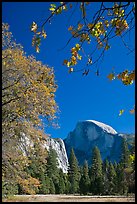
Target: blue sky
pixel 79 97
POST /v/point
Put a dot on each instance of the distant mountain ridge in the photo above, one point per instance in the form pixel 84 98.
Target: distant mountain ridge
pixel 90 133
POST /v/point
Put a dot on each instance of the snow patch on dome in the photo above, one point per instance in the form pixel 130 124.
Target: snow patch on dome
pixel 105 127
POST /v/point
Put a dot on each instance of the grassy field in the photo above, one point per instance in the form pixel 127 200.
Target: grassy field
pixel 68 198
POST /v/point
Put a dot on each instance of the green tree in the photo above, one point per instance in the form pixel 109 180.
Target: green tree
pixel 128 167
pixel 43 186
pixel 125 154
pixel 96 172
pixel 74 175
pixel 131 177
pixel 111 179
pixel 67 183
pixel 47 185
pixel 52 167
pixel 61 183
pixel 121 184
pixel 105 176
pixel 52 187
pixel 84 180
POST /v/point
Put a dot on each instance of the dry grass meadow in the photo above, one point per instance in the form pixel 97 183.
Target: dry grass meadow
pixel 68 198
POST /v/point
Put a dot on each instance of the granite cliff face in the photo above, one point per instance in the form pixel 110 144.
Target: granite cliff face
pixel 90 133
pixel 58 145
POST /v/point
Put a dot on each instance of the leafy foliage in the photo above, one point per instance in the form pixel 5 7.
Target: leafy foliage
pixel 96 28
pixel 28 89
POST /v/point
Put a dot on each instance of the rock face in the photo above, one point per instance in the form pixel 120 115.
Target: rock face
pixel 90 133
pixel 58 145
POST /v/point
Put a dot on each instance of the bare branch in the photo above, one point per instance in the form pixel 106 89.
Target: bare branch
pixel 53 14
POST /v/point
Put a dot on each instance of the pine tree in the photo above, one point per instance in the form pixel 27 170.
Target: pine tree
pixel 74 175
pixel 115 165
pixel 52 189
pixel 43 187
pixel 105 176
pixel 120 185
pixel 67 183
pixel 125 165
pixel 52 167
pixel 111 179
pixel 125 154
pixel 61 184
pixel 96 172
pixel 84 180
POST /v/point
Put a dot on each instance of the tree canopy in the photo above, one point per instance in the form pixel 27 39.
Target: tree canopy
pixel 28 89
pixel 97 25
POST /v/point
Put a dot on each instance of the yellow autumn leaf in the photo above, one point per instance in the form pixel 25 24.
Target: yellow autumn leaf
pixel 106 23
pixel 38 33
pixel 71 70
pixel 111 76
pixel 132 75
pixel 44 34
pixel 68 64
pixel 79 57
pixel 73 49
pixel 34 27
pixel 77 46
pixel 73 58
pixel 132 111
pixel 80 26
pixel 121 112
pixel 107 47
pixel 90 25
pixel 52 9
pixel 70 28
pixel 65 62
pixel 37 49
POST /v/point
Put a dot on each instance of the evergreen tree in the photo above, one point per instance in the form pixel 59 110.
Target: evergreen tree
pixel 67 183
pixel 105 176
pixel 52 169
pixel 43 187
pixel 115 165
pixel 61 184
pixel 52 187
pixel 125 154
pixel 111 179
pixel 74 175
pixel 96 172
pixel 132 171
pixel 84 180
pixel 121 186
pixel 125 166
